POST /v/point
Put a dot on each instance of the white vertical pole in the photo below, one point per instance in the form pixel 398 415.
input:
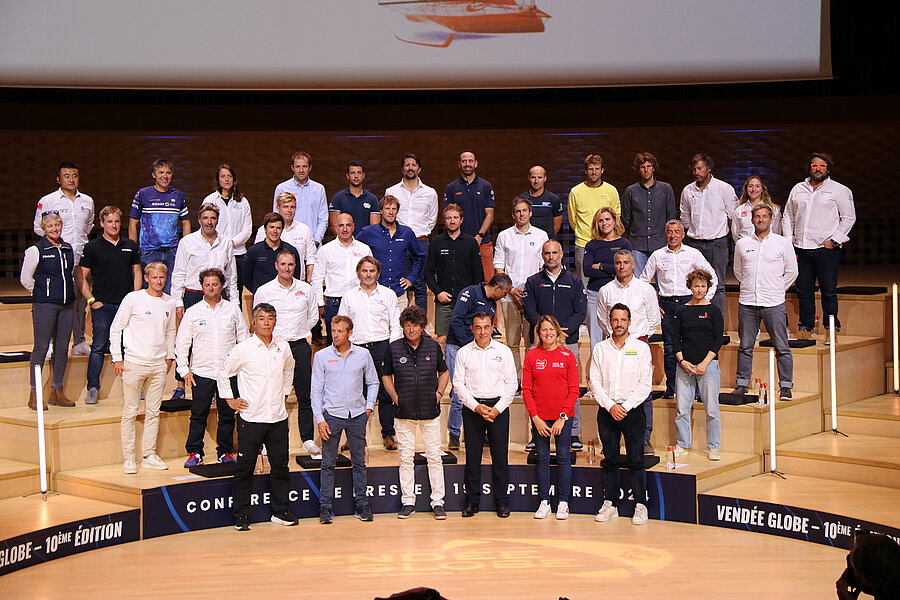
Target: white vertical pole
pixel 896 344
pixel 39 404
pixel 771 399
pixel 831 351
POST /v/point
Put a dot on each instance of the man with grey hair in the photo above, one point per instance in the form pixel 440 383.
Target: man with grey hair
pixel 766 266
pixel 640 298
pixel 671 265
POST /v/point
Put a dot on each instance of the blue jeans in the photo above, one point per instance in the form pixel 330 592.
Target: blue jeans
pixel 748 328
pixel 165 256
pixel 418 286
pixel 594 328
pixel 819 264
pixel 640 261
pixel 563 460
pixel 101 319
pixel 685 384
pixel 356 438
pixel 670 304
pixel 332 305
pixel 454 419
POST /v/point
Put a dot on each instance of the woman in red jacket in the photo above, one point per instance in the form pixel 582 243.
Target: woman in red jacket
pixel 550 369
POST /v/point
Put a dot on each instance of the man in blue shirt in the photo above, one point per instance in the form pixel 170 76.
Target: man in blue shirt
pixel 312 206
pixel 155 212
pixel 473 299
pixel 338 375
pixel 546 207
pixel 354 200
pixel 395 246
pixel 476 197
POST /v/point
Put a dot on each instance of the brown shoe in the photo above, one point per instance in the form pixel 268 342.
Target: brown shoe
pixel 32 402
pixel 58 398
pixel 802 334
pixel 390 443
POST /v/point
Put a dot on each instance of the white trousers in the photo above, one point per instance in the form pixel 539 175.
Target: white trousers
pixel 406 440
pixel 133 380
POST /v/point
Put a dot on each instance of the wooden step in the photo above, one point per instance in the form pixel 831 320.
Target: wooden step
pixel 879 416
pixel 21 515
pixel 18 479
pixel 868 459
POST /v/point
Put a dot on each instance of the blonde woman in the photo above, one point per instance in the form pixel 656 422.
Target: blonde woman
pixel 753 194
pixel 599 268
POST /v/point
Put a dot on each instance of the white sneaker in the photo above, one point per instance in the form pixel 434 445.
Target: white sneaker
pixel 128 467
pixel 310 446
pixel 562 511
pixel 154 462
pixel 543 510
pixel 640 514
pixel 606 512
pixel 679 451
pixel 82 349
pixel 714 454
pixel 50 350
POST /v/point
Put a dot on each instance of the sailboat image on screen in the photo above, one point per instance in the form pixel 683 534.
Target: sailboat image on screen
pixel 468 18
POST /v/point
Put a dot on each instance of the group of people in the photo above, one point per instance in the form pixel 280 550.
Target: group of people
pixel 153 298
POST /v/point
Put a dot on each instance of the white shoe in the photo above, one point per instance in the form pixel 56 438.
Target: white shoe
pixel 128 467
pixel 606 512
pixel 50 350
pixel 154 462
pixel 82 349
pixel 543 510
pixel 679 451
pixel 562 511
pixel 640 514
pixel 310 446
pixel 714 454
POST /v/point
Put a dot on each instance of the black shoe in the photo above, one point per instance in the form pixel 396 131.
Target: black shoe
pixel 741 389
pixel 285 517
pixel 785 394
pixel 470 510
pixel 326 517
pixel 454 442
pixel 576 444
pixel 529 446
pixel 364 513
pixel 502 511
pixel 439 513
pixel 242 523
pixel 406 511
pixel 496 333
pixel 668 395
pixel 582 391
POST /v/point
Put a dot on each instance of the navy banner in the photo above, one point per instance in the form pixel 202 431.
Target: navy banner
pixel 68 539
pixel 785 521
pixel 205 504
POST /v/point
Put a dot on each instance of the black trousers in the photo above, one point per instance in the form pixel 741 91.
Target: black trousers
pixel 475 429
pixel 251 437
pixel 202 396
pixel 611 431
pixel 302 354
pixel 386 408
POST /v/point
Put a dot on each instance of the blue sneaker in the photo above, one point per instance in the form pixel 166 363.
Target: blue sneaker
pixel 178 394
pixel 225 457
pixel 193 460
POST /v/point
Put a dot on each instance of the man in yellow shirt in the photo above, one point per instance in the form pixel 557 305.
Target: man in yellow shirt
pixel 585 199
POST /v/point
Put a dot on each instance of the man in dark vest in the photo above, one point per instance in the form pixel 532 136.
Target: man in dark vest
pixel 415 377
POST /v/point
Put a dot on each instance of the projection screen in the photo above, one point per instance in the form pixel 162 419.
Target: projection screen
pixel 408 44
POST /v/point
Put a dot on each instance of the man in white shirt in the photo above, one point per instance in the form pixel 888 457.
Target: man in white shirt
pixel 418 210
pixel 818 217
pixel 216 326
pixel 375 313
pixel 621 379
pixel 706 207
pixel 335 267
pixel 671 265
pixel 312 205
pixel 765 266
pixel 264 368
pixel 295 233
pixel 198 251
pixel 145 326
pixel 643 316
pixel 485 380
pixel 77 213
pixel 298 313
pixel 518 254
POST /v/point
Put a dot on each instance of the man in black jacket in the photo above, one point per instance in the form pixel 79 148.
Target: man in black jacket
pixel 415 377
pixel 558 292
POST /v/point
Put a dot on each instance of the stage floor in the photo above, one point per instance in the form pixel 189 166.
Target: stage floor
pixel 481 557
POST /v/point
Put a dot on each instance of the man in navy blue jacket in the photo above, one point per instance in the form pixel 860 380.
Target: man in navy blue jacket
pixel 555 291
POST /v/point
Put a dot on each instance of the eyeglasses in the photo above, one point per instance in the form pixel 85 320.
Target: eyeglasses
pixel 49 212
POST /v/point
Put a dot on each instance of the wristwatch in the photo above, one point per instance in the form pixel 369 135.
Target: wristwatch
pixel 563 416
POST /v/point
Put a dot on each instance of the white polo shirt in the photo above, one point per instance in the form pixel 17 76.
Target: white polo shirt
pixel 265 376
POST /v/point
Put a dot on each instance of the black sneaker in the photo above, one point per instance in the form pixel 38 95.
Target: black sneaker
pixel 454 442
pixel 785 394
pixel 741 389
pixel 496 333
pixel 326 517
pixel 364 514
pixel 439 513
pixel 576 445
pixel 406 511
pixel 242 523
pixel 284 517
